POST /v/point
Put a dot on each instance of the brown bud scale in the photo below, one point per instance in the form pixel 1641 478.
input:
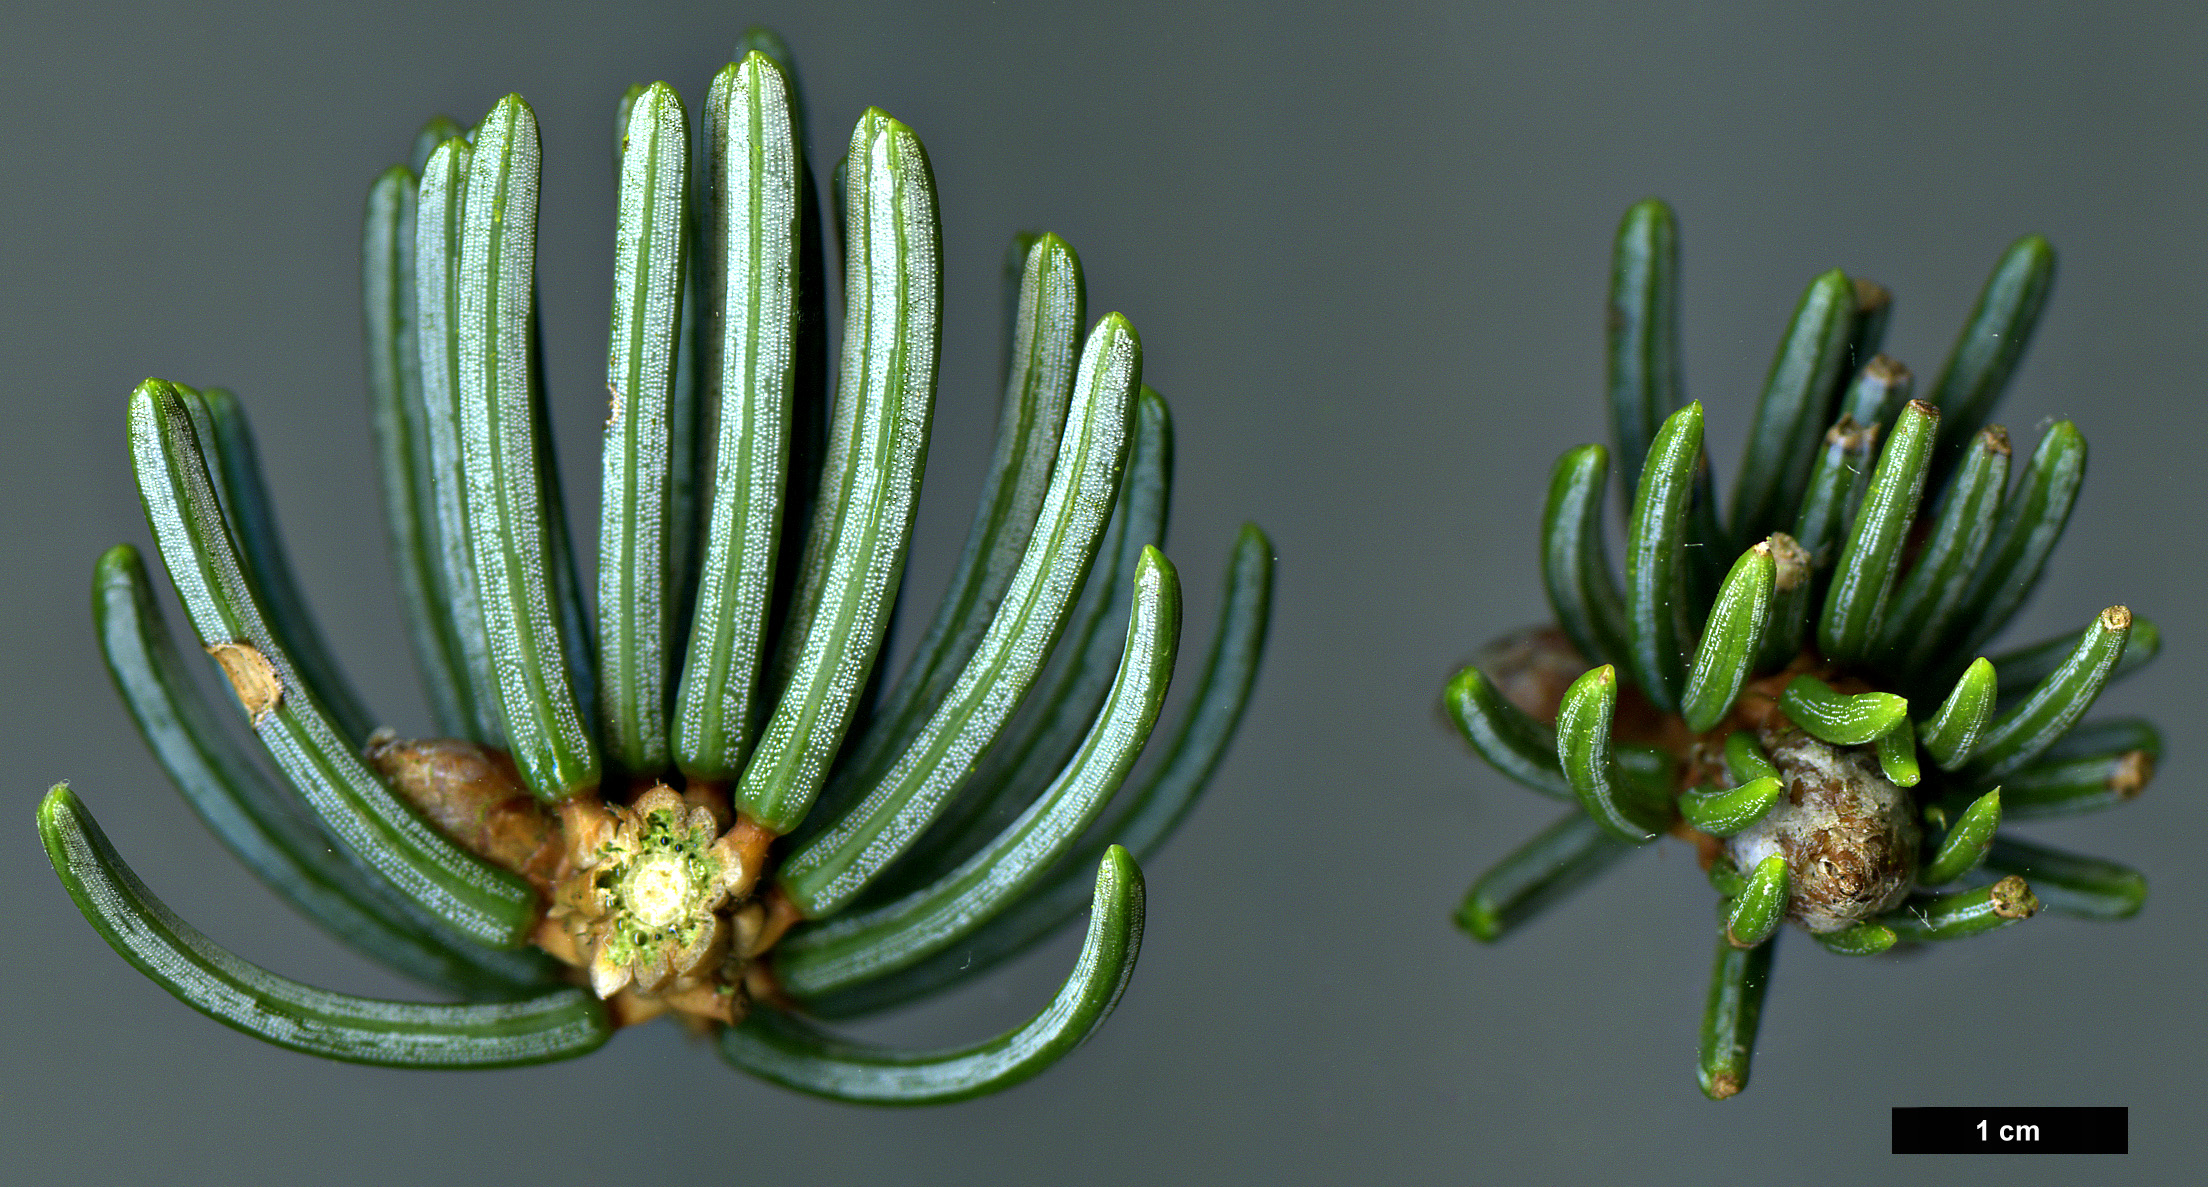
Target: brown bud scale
pixel 474 795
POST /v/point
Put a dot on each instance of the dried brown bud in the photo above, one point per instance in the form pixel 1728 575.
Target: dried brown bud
pixel 1848 834
pixel 473 795
pixel 1531 668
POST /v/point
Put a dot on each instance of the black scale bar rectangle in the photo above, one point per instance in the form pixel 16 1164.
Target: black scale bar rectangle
pixel 2099 1130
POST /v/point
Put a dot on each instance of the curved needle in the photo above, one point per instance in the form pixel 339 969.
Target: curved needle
pixel 2043 716
pixel 262 824
pixel 1965 845
pixel 1511 742
pixel 1721 812
pixel 1142 819
pixel 1952 733
pixel 853 562
pixel 1039 389
pixel 794 1054
pixel 1840 718
pixel 487 903
pixel 1731 640
pixel 1051 721
pixel 827 872
pixel 437 287
pixel 1575 564
pixel 1760 907
pixel 234 465
pixel 401 429
pixel 2025 667
pixel 1590 765
pixel 241 995
pixel 859 947
pixel 1657 618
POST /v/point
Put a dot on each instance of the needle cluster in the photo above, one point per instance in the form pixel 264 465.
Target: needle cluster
pixel 1796 683
pixel 700 791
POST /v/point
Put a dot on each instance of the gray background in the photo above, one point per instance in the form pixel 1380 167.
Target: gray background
pixel 1367 253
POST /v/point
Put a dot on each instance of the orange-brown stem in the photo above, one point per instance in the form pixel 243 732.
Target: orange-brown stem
pixel 782 915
